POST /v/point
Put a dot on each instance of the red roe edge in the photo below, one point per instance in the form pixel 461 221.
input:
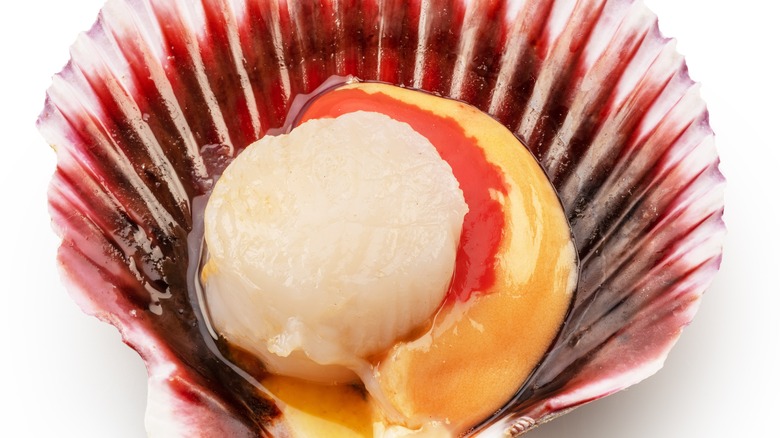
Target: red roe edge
pixel 484 223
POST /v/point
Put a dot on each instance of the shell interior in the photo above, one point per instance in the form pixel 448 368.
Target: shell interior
pixel 160 94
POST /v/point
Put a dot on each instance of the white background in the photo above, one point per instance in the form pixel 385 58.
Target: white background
pixel 66 374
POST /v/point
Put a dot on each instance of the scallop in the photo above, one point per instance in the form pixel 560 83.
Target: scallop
pixel 343 223
pixel 161 96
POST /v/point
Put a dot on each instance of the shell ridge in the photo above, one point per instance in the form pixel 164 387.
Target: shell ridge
pixel 381 31
pixel 550 95
pixel 122 92
pixel 420 52
pixel 644 231
pixel 339 58
pixel 264 59
pixel 476 35
pixel 466 44
pixel 186 14
pixel 579 126
pixel 512 80
pixel 236 51
pixel 73 105
pixel 144 55
pixel 300 41
pixel 221 58
pixel 640 165
pixel 147 30
pixel 71 185
pixel 278 40
pixel 621 123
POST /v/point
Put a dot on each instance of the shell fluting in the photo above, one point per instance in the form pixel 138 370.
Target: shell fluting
pixel 596 93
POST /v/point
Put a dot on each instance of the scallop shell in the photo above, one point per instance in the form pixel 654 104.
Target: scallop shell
pixel 160 94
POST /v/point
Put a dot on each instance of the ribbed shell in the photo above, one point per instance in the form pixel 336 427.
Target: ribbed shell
pixel 159 93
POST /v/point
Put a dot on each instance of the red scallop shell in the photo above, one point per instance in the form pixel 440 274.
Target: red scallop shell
pixel 159 93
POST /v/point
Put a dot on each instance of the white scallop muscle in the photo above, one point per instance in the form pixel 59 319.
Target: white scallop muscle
pixel 329 244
